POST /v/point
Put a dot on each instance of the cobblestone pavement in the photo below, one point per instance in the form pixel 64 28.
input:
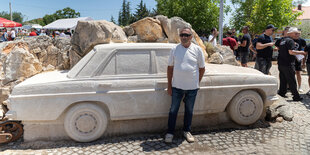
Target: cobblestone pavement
pixel 261 138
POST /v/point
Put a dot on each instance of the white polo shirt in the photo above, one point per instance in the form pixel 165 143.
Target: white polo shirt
pixel 186 63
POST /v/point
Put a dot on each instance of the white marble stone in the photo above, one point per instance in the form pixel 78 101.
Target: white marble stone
pixel 128 82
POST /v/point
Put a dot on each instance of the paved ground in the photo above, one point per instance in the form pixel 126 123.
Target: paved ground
pixel 261 138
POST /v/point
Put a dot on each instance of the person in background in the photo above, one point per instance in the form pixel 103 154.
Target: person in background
pixel 13 34
pixel 301 43
pixel 244 46
pixel 229 41
pixel 186 66
pixel 307 50
pixel 68 33
pixel 212 36
pixel 264 50
pixel 62 34
pixel 33 32
pixel 203 37
pixel 286 63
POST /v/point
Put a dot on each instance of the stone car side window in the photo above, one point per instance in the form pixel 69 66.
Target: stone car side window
pixel 129 62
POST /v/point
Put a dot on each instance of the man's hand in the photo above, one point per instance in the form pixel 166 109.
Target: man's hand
pixel 271 44
pixel 169 91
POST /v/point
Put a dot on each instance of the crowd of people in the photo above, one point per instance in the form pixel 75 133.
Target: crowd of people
pixel 292 54
pixel 12 33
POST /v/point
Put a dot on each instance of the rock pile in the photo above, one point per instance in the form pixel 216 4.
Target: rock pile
pixel 24 58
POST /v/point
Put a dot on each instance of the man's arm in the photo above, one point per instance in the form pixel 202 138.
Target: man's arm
pixel 294 52
pixel 201 72
pixel 243 43
pixel 169 77
pixel 260 45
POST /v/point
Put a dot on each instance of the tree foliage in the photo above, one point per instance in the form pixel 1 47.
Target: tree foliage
pixel 259 13
pixel 201 14
pixel 124 15
pixel 141 12
pixel 59 14
pixel 17 16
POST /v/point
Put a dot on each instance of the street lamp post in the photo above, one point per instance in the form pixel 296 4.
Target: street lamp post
pixel 221 23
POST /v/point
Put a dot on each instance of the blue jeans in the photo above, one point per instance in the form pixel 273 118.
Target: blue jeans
pixel 263 64
pixel 189 101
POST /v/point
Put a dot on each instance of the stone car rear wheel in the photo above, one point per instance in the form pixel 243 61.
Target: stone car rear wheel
pixel 246 107
pixel 85 122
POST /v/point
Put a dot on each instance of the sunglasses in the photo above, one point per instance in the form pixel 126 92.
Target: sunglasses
pixel 185 35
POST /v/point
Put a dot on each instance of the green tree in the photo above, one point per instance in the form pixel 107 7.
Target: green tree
pixel 60 14
pixel 112 20
pixel 243 12
pixel 141 12
pixel 201 14
pixel 17 16
pixel 259 13
pixel 124 15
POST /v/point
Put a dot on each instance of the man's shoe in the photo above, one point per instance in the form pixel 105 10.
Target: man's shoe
pixel 300 90
pixel 168 138
pixel 189 137
pixel 284 96
pixel 298 99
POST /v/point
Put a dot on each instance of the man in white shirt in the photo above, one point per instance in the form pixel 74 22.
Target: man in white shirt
pixel 13 34
pixel 185 70
pixel 212 37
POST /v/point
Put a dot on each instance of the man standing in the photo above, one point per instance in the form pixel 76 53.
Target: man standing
pixel 307 50
pixel 229 41
pixel 212 37
pixel 301 44
pixel 264 50
pixel 286 63
pixel 244 44
pixel 185 70
pixel 13 34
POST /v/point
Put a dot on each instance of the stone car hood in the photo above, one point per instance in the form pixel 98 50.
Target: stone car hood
pixel 215 69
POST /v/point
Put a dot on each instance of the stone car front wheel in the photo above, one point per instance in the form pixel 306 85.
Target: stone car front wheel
pixel 246 107
pixel 85 122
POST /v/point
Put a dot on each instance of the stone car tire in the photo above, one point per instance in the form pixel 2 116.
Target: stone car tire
pixel 85 122
pixel 246 107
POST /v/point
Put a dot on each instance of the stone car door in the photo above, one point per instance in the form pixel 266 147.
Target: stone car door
pixel 126 84
pixel 203 99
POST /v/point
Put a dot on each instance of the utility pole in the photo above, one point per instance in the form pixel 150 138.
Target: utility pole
pixel 11 11
pixel 221 23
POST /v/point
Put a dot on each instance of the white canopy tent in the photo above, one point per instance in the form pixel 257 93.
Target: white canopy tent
pixel 64 24
pixel 28 27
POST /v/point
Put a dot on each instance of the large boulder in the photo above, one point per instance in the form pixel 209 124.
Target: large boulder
pixel 20 63
pixel 172 27
pixel 223 55
pixel 90 33
pixel 148 30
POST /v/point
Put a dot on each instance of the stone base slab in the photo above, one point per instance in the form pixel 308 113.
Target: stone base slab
pixel 54 130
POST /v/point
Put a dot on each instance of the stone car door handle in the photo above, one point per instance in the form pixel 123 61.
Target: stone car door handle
pixel 104 85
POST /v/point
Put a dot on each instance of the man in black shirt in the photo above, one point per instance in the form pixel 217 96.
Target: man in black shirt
pixel 244 46
pixel 307 50
pixel 286 63
pixel 264 50
pixel 301 43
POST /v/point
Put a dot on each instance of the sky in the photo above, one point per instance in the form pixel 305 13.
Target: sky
pixel 97 9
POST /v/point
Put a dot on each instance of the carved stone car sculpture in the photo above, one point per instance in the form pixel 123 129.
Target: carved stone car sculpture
pixel 127 81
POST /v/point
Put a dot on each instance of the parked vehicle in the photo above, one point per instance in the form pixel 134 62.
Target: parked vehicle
pixel 128 81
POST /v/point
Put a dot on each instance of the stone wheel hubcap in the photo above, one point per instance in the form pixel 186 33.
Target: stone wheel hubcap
pixel 85 123
pixel 247 107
